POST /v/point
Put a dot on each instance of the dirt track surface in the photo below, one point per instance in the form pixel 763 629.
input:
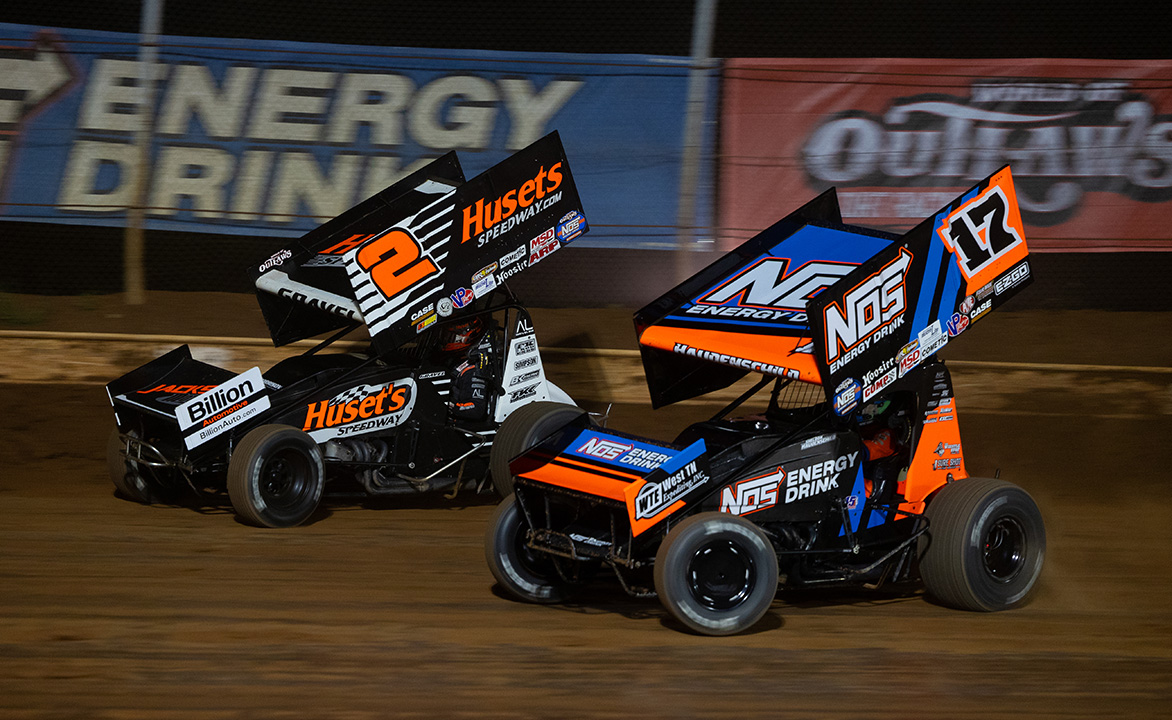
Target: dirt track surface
pixel 116 610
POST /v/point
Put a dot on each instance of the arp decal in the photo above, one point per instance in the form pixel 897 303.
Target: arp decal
pixel 361 409
pixel 486 219
pixel 542 245
pixel 752 494
pixel 870 310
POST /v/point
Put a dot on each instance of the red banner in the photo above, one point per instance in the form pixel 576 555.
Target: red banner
pixel 1089 143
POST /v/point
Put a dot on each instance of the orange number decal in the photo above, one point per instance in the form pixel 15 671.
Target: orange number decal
pixel 394 263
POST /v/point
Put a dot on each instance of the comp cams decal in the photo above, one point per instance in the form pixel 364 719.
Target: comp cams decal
pixel 361 409
pixel 224 406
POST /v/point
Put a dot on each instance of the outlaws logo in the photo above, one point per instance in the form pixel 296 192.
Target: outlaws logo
pixel 868 311
pixel 752 494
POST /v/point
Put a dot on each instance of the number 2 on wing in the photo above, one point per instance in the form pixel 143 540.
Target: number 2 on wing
pixel 395 262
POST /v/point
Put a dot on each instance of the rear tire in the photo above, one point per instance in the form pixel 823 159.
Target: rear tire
pixel 525 574
pixel 986 543
pixel 275 477
pixel 125 473
pixel 521 430
pixel 716 573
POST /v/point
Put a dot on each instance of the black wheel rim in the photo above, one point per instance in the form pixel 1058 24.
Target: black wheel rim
pixel 721 574
pixel 286 479
pixel 536 564
pixel 1004 548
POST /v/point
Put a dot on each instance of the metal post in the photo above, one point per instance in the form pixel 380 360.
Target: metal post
pixel 703 25
pixel 150 26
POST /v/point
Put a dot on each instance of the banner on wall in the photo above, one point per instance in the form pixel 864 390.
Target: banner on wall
pixel 1089 143
pixel 273 138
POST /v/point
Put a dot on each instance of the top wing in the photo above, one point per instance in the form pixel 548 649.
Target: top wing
pixel 424 248
pixel 747 311
pixel 900 307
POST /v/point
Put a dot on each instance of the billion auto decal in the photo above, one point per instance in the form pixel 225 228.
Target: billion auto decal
pixel 225 406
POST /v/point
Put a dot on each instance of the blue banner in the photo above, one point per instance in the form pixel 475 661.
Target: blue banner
pixel 274 138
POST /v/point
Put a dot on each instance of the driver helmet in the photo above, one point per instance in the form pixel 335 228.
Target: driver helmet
pixel 871 412
pixel 460 336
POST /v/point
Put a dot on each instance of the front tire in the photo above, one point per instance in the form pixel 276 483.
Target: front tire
pixel 521 430
pixel 525 574
pixel 275 477
pixel 716 573
pixel 986 545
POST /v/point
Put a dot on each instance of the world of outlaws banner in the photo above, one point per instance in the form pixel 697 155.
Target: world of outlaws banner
pixel 1089 142
pixel 273 138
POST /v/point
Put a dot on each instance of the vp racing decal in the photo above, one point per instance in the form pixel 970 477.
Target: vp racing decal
pixel 227 405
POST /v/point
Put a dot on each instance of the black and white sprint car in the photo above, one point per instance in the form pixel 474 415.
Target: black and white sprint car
pixel 422 267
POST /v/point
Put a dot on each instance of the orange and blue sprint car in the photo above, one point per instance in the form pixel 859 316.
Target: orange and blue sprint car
pixel 841 466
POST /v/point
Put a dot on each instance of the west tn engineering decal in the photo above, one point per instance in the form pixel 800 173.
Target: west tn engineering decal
pixel 229 404
pixel 361 409
pixel 664 488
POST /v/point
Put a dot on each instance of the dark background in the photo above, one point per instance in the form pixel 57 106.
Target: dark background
pixel 188 261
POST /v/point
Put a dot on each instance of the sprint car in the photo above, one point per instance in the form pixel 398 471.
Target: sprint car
pixel 851 472
pixel 414 404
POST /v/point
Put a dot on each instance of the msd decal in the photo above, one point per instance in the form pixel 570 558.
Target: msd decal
pixel 361 409
pixel 869 311
pixel 542 245
pixel 753 494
